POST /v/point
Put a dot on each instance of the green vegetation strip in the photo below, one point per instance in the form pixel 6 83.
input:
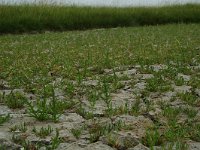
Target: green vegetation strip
pixel 28 18
pixel 35 60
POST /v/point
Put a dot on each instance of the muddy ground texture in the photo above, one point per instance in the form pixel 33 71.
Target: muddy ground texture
pixel 128 107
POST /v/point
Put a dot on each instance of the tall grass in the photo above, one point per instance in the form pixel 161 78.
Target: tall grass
pixel 27 18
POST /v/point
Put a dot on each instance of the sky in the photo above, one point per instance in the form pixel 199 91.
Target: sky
pixel 120 3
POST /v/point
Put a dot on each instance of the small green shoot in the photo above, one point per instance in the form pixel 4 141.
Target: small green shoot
pixel 3 119
pixel 43 132
pixel 15 100
pixel 76 132
pixel 22 128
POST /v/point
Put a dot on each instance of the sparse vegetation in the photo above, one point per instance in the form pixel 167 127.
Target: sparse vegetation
pixel 76 132
pixel 4 118
pixel 15 100
pixel 99 82
pixel 152 138
pixel 22 128
pixel 189 98
pixel 48 109
pixel 43 132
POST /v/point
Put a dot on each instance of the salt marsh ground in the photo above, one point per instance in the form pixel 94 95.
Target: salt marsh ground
pixel 117 88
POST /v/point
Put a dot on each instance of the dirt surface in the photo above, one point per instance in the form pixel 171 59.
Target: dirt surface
pixel 138 106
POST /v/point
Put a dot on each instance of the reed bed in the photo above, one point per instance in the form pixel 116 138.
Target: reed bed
pixel 29 18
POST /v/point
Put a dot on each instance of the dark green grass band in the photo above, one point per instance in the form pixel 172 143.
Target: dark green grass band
pixel 28 18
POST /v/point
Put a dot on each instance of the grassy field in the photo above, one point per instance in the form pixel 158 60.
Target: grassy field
pixel 97 66
pixel 28 18
pixel 27 57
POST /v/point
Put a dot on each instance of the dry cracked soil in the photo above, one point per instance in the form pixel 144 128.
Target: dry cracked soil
pixel 134 109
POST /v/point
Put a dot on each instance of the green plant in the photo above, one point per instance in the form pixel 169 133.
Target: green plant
pixel 170 72
pixel 93 97
pixel 55 141
pixel 15 100
pixel 4 118
pixel 157 84
pixel 106 96
pixel 79 80
pixel 195 133
pixel 148 103
pixel 2 97
pixel 76 132
pixel 113 141
pixel 135 108
pixel 94 137
pixel 179 81
pixel 190 112
pixel 118 110
pixel 117 86
pixel 47 91
pixel 3 147
pixel 70 89
pixel 85 114
pixel 24 143
pixel 170 112
pixel 98 130
pixel 176 131
pixel 195 81
pixel 44 110
pixel 22 127
pixel 54 107
pixel 179 145
pixel 189 98
pixel 106 92
pixel 152 138
pixel 43 132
